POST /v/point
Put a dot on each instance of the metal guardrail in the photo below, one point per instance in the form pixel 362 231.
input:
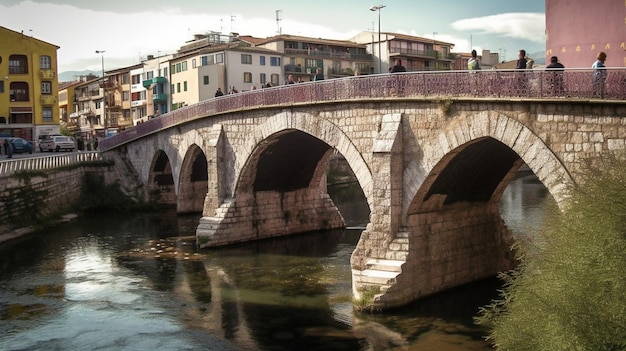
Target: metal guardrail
pixel 8 167
pixel 571 84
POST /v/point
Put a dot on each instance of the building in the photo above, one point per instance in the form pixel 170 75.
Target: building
pixel 29 88
pixel 416 53
pixel 577 31
pixel 116 93
pixel 66 103
pixel 304 55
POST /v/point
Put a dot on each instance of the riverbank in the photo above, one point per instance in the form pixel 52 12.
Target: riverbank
pixel 11 234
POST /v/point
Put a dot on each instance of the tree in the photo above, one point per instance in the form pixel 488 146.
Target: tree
pixel 569 291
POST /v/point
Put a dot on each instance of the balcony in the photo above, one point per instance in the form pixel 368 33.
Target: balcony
pixel 156 80
pixel 337 54
pixel 46 74
pixel 48 99
pixel 109 85
pixel 159 97
pixel 74 114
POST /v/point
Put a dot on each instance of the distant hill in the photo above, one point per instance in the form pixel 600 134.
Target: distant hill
pixel 71 76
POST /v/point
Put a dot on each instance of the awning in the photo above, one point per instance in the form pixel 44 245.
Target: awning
pixel 18 110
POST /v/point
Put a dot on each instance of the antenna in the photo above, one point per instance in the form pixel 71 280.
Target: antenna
pixel 278 19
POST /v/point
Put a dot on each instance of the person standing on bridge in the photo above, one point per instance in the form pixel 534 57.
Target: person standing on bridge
pixel 522 81
pixel 397 67
pixel 473 64
pixel 219 92
pixel 290 80
pixel 599 75
pixel 557 75
pixel 318 74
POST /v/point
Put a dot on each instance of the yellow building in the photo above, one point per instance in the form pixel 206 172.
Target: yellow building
pixel 29 104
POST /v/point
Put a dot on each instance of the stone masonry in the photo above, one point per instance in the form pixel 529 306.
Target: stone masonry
pixel 422 236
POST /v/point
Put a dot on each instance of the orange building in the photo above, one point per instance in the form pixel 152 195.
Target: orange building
pixel 577 30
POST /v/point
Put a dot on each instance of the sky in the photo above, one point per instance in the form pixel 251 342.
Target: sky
pixel 129 30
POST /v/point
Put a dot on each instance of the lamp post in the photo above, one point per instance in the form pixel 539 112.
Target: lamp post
pixel 378 8
pixel 104 100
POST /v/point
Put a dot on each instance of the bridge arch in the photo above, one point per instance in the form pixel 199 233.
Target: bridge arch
pixel 530 148
pixel 193 181
pixel 161 186
pixel 323 130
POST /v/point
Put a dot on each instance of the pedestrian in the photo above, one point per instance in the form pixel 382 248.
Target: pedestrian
pixel 557 75
pixel 599 75
pixel 219 92
pixel 397 67
pixel 290 80
pixel 267 85
pixel 522 80
pixel 318 74
pixel 521 59
pixel 473 64
pixel 95 144
pixel 9 147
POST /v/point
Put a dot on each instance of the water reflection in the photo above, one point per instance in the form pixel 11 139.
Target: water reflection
pixel 117 282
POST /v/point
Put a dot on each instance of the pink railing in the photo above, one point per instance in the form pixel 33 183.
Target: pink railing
pixel 496 84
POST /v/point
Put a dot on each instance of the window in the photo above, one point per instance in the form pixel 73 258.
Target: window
pixel 18 64
pixel 45 62
pixel 125 95
pixel 246 59
pixel 193 63
pixel 172 88
pixel 262 60
pixel 178 87
pixel 136 79
pixel 124 78
pixel 247 77
pixel 274 61
pixel 204 60
pixel 206 80
pixel 1 86
pixel 149 75
pixel 19 91
pixel 46 88
pixel 219 58
pixel 184 66
pixel 262 78
pixel 46 114
pixel 274 80
pixel 185 86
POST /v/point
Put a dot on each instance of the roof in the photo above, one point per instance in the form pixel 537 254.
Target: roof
pixel 415 38
pixel 287 37
pixel 32 38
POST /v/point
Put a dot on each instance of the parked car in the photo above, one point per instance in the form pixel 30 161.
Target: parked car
pixel 21 146
pixel 56 143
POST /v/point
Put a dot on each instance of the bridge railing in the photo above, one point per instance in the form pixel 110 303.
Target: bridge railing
pixel 8 167
pixel 573 84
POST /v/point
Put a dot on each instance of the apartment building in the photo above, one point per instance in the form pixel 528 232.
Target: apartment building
pixel 115 91
pixel 29 88
pixel 198 70
pixel 416 53
pixel 302 56
pixel 155 81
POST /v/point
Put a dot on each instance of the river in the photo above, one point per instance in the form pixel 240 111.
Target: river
pixel 118 282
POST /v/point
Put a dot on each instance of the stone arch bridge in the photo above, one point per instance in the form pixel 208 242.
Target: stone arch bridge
pixel 432 152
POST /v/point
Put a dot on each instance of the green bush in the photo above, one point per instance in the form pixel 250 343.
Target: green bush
pixel 569 292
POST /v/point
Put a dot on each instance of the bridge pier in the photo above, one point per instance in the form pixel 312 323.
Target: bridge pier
pixel 255 215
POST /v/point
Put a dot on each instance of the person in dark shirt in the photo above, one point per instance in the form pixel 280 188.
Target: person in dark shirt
pixel 557 75
pixel 397 67
pixel 219 92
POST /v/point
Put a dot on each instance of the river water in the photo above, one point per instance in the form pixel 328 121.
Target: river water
pixel 117 282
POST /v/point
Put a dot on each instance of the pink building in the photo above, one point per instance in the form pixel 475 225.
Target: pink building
pixel 577 30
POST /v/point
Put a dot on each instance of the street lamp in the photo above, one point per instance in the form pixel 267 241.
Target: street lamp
pixel 104 100
pixel 378 8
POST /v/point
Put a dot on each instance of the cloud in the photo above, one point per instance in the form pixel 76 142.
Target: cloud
pixel 527 26
pixel 129 37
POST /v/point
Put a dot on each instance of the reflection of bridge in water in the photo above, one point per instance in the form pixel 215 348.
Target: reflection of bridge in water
pixel 432 152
